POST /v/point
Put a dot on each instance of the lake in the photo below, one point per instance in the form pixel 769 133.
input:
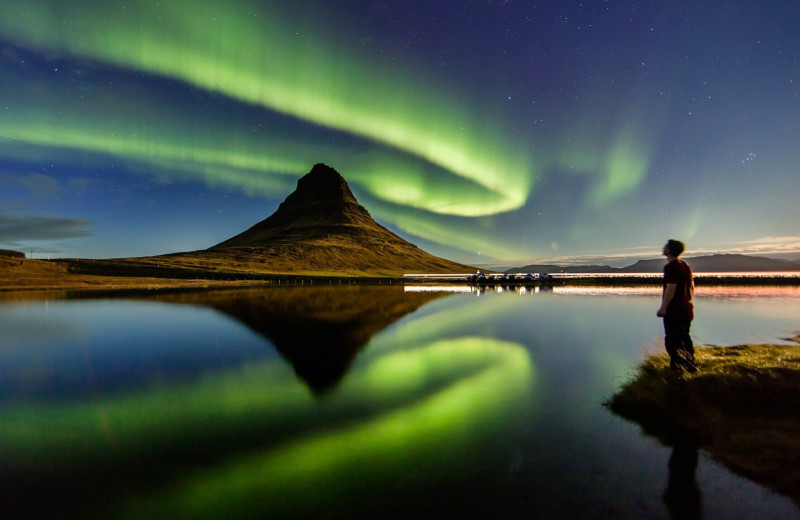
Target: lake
pixel 353 402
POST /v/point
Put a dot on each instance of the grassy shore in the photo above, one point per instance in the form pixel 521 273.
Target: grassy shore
pixel 741 408
pixel 40 275
pixel 122 275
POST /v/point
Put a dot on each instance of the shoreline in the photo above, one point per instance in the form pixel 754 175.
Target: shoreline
pixel 97 283
pixel 739 409
pixel 123 275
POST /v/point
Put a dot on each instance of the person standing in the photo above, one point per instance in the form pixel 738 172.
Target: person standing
pixel 677 308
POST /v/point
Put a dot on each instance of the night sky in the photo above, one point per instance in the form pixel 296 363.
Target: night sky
pixel 488 132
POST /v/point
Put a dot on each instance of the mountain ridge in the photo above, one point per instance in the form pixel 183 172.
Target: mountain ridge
pixel 717 263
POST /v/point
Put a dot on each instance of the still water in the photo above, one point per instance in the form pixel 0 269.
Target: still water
pixel 352 402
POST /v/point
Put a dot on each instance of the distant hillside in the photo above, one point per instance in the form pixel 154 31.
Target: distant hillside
pixel 550 268
pixel 721 263
pixel 319 229
pixel 724 263
pixel 10 253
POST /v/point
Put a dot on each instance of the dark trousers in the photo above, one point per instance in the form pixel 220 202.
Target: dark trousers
pixel 679 344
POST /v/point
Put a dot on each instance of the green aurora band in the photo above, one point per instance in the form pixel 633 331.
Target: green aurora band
pixel 254 58
pixel 622 156
pixel 431 166
pixel 141 132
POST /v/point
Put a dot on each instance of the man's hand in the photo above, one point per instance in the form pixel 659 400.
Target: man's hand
pixel 666 297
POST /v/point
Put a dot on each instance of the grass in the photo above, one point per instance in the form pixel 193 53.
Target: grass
pixel 42 275
pixel 335 257
pixel 146 274
pixel 741 408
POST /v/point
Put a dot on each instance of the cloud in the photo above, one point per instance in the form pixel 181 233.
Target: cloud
pixel 764 246
pixel 37 183
pixel 15 229
pixel 792 241
pixel 613 259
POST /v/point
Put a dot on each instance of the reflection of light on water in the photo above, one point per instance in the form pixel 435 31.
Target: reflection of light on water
pixel 604 275
pixel 753 274
pixel 487 378
pixel 606 291
pixel 473 289
pixel 439 288
pixel 742 274
pixel 453 392
pixel 749 293
pixel 733 292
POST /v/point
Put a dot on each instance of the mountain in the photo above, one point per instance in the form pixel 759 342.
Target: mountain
pixel 719 263
pixel 320 228
pixel 322 207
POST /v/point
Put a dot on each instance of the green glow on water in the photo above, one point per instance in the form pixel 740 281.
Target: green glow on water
pixel 447 395
pixel 87 432
pixel 438 428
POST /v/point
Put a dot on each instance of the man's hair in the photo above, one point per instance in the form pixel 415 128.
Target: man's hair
pixel 675 247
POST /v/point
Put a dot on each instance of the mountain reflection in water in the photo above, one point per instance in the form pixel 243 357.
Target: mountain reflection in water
pixel 422 406
pixel 318 330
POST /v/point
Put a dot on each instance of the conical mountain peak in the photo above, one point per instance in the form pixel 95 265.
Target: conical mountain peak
pixel 322 205
pixel 321 227
pixel 321 183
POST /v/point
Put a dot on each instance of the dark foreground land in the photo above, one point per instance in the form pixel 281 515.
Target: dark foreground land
pixel 741 408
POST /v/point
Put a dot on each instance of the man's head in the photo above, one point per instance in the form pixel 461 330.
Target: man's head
pixel 673 248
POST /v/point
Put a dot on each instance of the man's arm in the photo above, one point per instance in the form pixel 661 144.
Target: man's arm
pixel 666 297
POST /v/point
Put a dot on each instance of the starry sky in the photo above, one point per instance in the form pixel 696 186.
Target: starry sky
pixel 489 132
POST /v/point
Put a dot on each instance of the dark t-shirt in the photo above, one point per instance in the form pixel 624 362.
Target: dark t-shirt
pixel 681 306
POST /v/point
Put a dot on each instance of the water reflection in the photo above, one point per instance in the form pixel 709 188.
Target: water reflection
pixel 400 449
pixel 682 496
pixel 320 330
pixel 216 444
pixel 483 404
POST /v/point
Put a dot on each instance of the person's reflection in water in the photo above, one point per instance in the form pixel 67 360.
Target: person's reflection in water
pixel 682 496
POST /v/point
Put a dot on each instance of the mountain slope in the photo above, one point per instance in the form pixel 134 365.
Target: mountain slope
pixel 320 228
pixel 322 207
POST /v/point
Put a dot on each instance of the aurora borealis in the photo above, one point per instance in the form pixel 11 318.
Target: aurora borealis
pixel 483 131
